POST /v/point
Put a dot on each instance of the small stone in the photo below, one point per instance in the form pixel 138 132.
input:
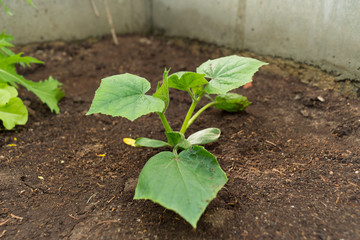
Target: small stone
pixel 297 97
pixel 331 172
pixel 321 99
pixel 305 113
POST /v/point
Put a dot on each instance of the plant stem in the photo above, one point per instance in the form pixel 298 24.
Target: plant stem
pixel 188 116
pixel 199 112
pixel 164 122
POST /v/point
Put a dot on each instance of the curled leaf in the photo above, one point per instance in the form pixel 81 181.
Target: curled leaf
pixel 186 80
pixel 232 102
pixel 148 142
pixel 177 140
pixel 204 136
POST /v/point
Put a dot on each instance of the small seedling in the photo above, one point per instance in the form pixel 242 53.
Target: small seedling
pixel 187 178
pixel 12 109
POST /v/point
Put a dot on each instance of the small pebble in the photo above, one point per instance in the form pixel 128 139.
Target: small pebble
pixel 321 99
pixel 356 172
pixel 331 172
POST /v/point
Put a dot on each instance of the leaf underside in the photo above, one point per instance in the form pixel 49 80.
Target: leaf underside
pixel 204 136
pixel 228 73
pixel 185 184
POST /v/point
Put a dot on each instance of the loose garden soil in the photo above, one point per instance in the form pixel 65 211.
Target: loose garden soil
pixel 292 158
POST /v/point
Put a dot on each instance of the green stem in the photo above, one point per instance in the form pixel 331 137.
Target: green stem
pixel 199 112
pixel 164 122
pixel 188 116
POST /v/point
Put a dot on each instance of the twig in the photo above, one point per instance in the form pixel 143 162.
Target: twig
pixel 112 28
pixel 16 217
pixel 109 201
pixel 322 178
pixel 90 198
pixel 74 217
pixel 94 8
pixel 2 234
pixel 353 184
pixel 338 198
pixel 109 221
pixel 4 222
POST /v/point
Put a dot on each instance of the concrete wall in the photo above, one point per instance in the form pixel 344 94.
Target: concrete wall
pixel 322 32
pixel 72 19
pixel 325 33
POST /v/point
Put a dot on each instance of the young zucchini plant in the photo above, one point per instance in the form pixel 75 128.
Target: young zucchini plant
pixel 187 178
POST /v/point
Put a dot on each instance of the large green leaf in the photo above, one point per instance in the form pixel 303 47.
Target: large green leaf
pixel 228 73
pixel 231 102
pixel 186 80
pixel 124 95
pixel 204 136
pixel 185 184
pixel 13 113
pixel 148 142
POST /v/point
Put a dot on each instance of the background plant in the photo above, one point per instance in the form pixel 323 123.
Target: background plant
pixel 187 178
pixel 12 109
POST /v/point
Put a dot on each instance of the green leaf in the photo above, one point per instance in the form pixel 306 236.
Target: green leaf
pixel 177 140
pixel 8 62
pixel 228 73
pixel 204 136
pixel 163 91
pixel 6 37
pixel 124 95
pixel 186 80
pixel 148 142
pixel 31 3
pixel 5 40
pixel 185 184
pixel 48 91
pixel 4 43
pixel 13 113
pixel 231 102
pixel 5 8
pixel 6 93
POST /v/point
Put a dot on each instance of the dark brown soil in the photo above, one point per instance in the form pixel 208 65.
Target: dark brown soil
pixel 292 158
